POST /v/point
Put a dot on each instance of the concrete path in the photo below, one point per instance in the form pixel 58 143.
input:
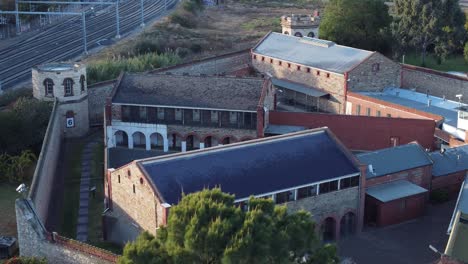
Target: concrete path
pixel 86 157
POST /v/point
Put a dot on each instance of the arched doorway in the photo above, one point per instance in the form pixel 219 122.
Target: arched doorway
pixel 348 224
pixel 139 140
pixel 227 140
pixel 193 142
pixel 311 35
pixel 176 140
pixel 286 33
pixel 298 34
pixel 210 141
pixel 328 229
pixel 121 139
pixel 157 141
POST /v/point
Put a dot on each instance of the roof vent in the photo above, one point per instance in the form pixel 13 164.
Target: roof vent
pixel 371 169
pixel 442 151
pixel 317 42
pixel 429 102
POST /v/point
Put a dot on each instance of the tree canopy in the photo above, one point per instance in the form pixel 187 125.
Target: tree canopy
pixel 429 23
pixel 361 24
pixel 207 227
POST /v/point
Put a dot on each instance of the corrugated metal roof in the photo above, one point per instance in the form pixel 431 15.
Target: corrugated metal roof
pixel 260 167
pixel 311 52
pixel 391 160
pixel 298 87
pixel 394 190
pixel 451 161
pixel 281 129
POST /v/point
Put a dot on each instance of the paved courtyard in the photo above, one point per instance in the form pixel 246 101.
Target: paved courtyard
pixel 406 243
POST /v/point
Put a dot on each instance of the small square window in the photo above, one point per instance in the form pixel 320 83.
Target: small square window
pixel 280 63
pixel 308 70
pixel 318 73
pixel 160 113
pixel 358 109
pixel 255 57
pixel 263 58
pixel 289 65
pixel 233 117
pixel 178 114
pixel 378 113
pixel 368 111
pixel 271 60
pixel 389 115
pixel 376 67
pixel 214 116
pixel 196 115
pixel 298 67
pixel 328 75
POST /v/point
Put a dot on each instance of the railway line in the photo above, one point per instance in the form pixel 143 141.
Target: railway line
pixel 64 40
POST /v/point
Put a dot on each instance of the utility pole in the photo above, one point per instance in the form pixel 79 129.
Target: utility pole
pixel 83 18
pixel 17 17
pixel 165 4
pixel 142 14
pixel 117 18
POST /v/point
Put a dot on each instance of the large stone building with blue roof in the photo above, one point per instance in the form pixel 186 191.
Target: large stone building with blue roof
pixel 308 170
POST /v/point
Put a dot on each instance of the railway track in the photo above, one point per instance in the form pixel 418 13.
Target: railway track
pixel 64 40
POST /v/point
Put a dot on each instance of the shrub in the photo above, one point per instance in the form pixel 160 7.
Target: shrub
pixel 183 18
pixel 439 196
pixel 26 260
pixel 12 95
pixel 182 52
pixel 196 48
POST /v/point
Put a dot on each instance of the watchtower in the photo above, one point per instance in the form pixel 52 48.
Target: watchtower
pixel 301 25
pixel 65 82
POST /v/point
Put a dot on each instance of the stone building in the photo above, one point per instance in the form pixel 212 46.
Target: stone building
pixel 66 83
pixel 397 183
pixel 323 177
pixel 314 72
pixel 300 25
pixel 169 112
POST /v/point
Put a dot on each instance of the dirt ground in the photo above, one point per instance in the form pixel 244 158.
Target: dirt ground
pixel 219 30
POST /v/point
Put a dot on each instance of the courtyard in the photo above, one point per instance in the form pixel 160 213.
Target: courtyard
pixel 406 243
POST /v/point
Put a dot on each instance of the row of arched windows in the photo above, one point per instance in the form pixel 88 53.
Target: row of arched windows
pixel 67 86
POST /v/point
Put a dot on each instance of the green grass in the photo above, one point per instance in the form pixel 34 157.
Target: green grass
pixel 8 195
pixel 452 63
pixel 268 23
pixel 96 205
pixel 71 199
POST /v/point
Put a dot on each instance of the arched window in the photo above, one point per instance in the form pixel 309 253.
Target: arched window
pixel 68 86
pixel 311 35
pixel 298 34
pixel 82 82
pixel 49 87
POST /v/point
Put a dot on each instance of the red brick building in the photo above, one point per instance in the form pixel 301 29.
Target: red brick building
pixel 397 182
pixel 449 169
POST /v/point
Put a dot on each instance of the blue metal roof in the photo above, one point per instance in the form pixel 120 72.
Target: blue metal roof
pixel 391 160
pixel 255 168
pixel 451 161
pixel 311 52
pixel 298 87
pixel 394 190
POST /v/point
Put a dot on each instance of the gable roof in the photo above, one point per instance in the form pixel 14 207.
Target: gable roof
pixel 451 161
pixel 312 52
pixel 252 168
pixel 189 91
pixel 394 190
pixel 391 160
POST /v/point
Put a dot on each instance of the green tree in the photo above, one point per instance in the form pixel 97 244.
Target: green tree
pixel 207 227
pixel 361 24
pixel 419 24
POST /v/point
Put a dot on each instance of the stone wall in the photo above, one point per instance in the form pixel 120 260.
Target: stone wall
pixel 134 206
pixel 97 94
pixel 80 115
pixel 435 83
pixel 41 187
pixel 330 82
pixel 229 64
pixel 217 132
pixel 34 240
pixel 374 74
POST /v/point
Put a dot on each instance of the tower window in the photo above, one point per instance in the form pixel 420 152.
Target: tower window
pixel 49 87
pixel 68 86
pixel 82 82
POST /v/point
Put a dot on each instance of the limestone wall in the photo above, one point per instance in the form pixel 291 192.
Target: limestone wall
pixel 34 240
pixel 41 187
pixel 97 95
pixel 435 83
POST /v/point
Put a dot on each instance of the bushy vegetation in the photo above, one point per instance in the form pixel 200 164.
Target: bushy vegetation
pixel 109 69
pixel 272 23
pixel 186 14
pixel 12 95
pixel 13 168
pixel 207 227
pixel 23 127
pixel 26 260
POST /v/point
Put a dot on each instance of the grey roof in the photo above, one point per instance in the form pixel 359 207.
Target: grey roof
pixel 298 87
pixel 311 52
pixel 118 157
pixel 394 190
pixel 450 116
pixel 451 161
pixel 190 91
pixel 391 160
pixel 462 203
pixel 252 168
pixel 283 129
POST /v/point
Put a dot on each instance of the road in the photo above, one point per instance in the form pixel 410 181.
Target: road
pixel 65 40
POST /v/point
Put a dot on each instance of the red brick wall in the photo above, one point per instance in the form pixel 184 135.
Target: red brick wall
pixel 451 183
pixel 396 211
pixel 362 132
pixel 420 176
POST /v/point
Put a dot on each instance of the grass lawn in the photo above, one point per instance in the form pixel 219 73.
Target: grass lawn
pixel 71 196
pixel 8 195
pixel 96 205
pixel 452 63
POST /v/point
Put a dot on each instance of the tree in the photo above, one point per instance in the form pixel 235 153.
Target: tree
pixel 361 24
pixel 207 227
pixel 419 24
